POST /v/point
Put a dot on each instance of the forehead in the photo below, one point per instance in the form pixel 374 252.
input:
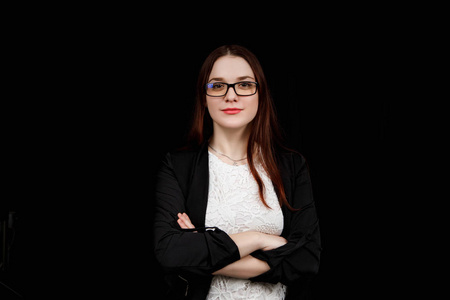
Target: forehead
pixel 231 67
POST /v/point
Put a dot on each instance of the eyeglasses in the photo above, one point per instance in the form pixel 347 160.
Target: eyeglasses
pixel 241 88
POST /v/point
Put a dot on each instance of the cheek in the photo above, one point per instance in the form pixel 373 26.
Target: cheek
pixel 209 102
pixel 212 107
pixel 252 106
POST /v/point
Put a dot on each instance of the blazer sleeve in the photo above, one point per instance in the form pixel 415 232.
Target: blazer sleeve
pixel 201 252
pixel 300 257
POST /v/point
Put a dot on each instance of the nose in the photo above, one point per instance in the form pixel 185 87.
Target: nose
pixel 231 95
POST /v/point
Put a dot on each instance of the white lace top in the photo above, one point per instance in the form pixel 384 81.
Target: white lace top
pixel 234 206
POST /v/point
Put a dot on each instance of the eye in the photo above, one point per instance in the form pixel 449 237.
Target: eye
pixel 246 85
pixel 216 85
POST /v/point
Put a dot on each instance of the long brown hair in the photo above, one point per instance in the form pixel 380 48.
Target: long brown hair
pixel 265 134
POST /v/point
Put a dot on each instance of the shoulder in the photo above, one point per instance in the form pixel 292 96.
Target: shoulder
pixel 184 156
pixel 181 155
pixel 291 161
pixel 183 161
pixel 291 155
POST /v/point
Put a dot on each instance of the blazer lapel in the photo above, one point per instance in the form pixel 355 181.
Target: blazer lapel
pixel 197 199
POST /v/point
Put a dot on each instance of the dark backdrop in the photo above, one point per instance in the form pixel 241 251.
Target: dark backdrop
pixel 84 157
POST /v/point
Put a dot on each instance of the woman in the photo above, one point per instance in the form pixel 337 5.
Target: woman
pixel 234 215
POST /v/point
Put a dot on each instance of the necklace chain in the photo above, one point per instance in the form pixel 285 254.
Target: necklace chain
pixel 234 160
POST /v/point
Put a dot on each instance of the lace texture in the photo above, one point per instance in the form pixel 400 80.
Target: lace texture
pixel 234 206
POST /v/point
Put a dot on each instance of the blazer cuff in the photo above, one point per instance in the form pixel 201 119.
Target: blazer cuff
pixel 223 249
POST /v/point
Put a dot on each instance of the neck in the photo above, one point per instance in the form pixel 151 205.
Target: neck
pixel 232 142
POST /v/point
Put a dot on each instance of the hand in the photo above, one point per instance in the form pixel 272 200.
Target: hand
pixel 184 221
pixel 271 242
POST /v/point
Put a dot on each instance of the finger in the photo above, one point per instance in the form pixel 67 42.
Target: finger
pixel 186 216
pixel 186 220
pixel 188 224
pixel 182 224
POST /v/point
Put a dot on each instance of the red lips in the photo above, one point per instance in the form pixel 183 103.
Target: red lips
pixel 232 111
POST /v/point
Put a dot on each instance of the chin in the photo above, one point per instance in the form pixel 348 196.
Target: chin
pixel 235 124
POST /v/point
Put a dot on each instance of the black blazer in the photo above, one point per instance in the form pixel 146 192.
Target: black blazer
pixel 188 258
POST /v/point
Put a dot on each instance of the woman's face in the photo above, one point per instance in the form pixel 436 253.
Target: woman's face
pixel 232 69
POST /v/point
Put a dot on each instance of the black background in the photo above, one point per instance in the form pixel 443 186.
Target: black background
pixel 86 136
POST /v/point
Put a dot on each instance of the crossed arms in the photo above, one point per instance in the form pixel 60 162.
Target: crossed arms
pixel 247 242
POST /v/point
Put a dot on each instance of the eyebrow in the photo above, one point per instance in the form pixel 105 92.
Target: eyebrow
pixel 239 78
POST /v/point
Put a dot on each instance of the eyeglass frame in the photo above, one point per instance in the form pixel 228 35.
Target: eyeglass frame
pixel 231 85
